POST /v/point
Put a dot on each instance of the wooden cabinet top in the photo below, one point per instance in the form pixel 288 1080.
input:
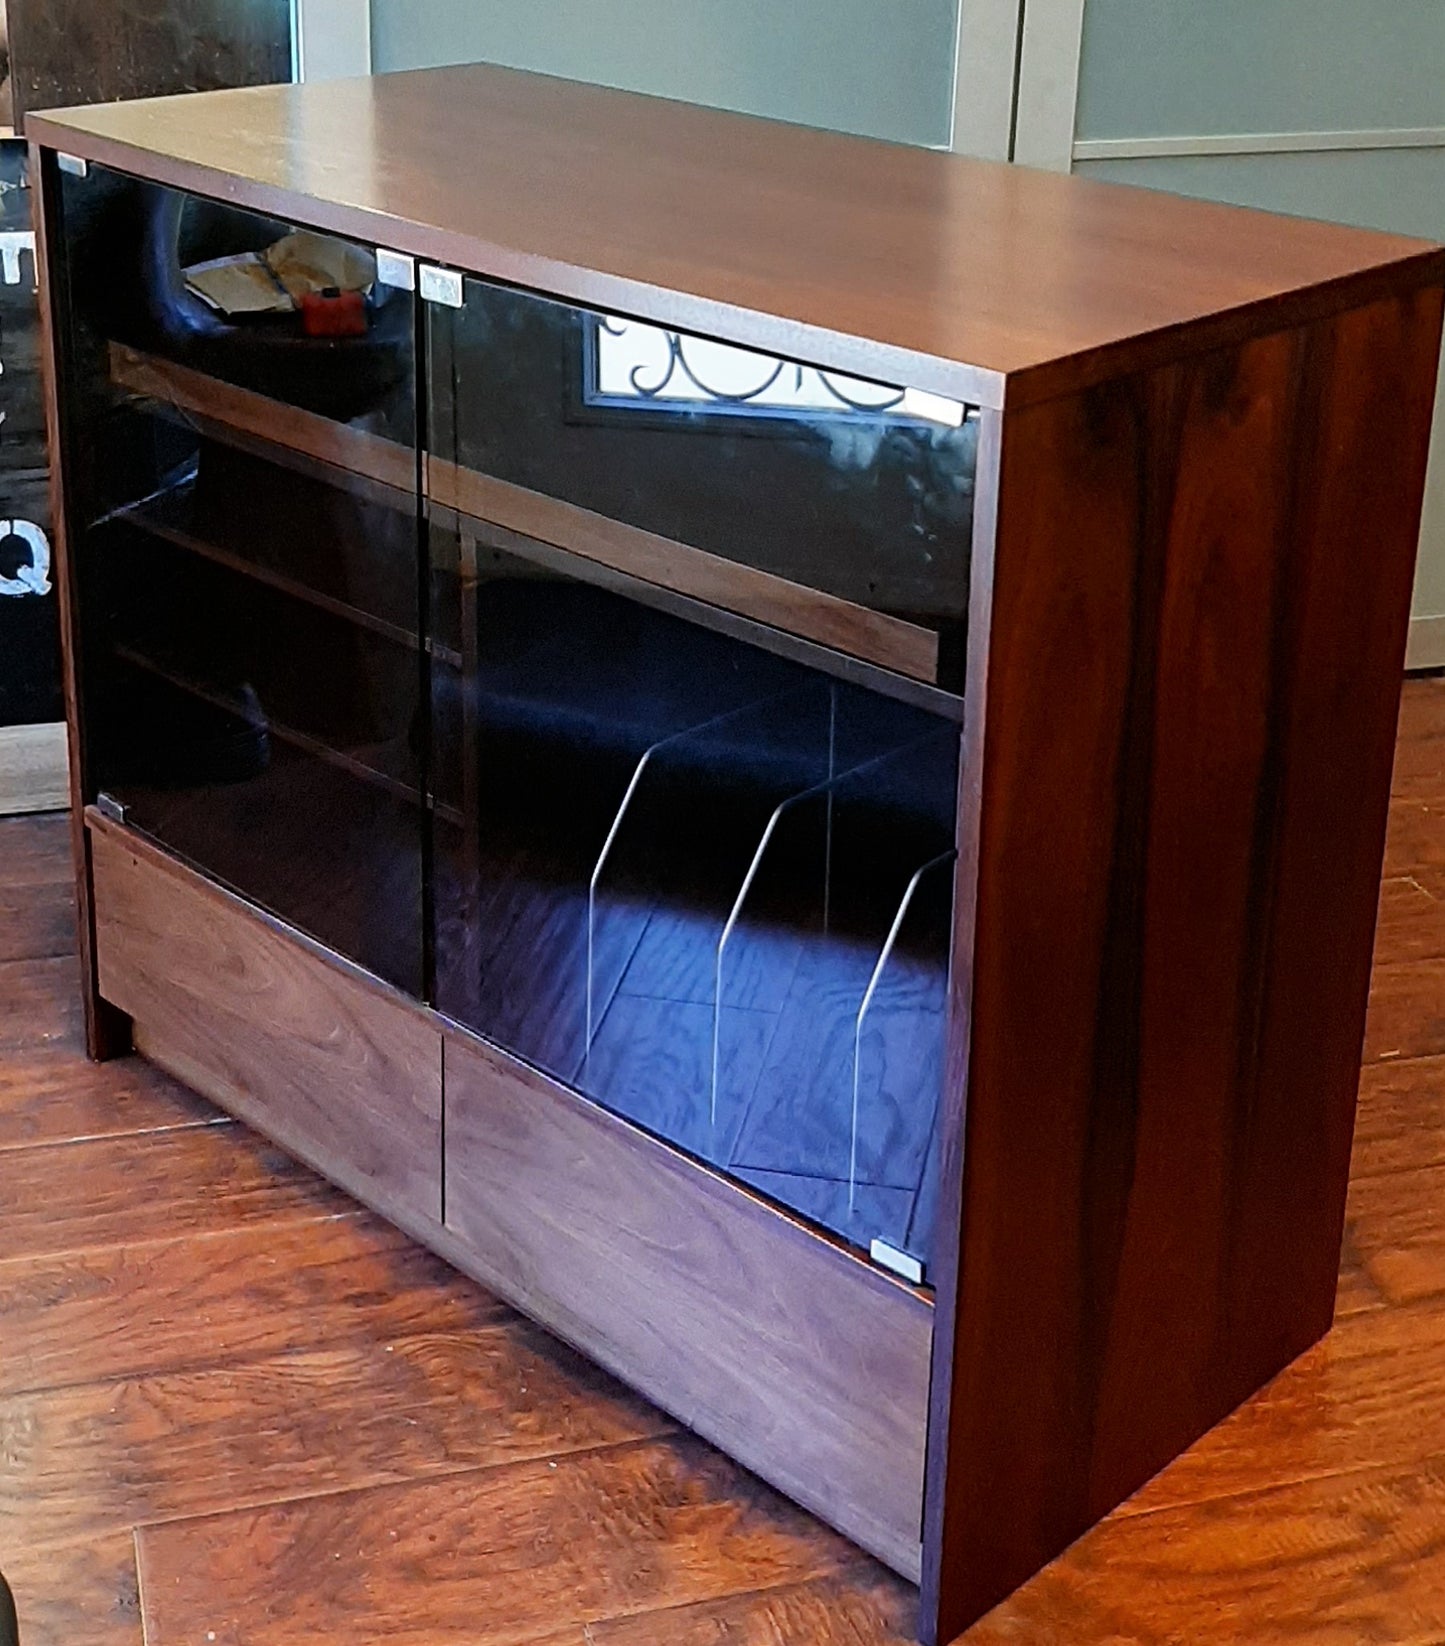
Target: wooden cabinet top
pixel 990 283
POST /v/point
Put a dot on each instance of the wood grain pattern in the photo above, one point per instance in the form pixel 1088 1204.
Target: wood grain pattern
pixel 1243 1540
pixel 1401 1122
pixel 128 1189
pixel 1407 1014
pixel 805 1363
pixel 54 1095
pixel 89 1459
pixel 1207 459
pixel 39 1006
pixel 37 922
pixel 629 1531
pixel 1369 1394
pixel 1322 1562
pixel 34 774
pixel 1416 833
pixel 1412 915
pixel 826 619
pixel 1334 1556
pixel 1160 1106
pixel 1419 772
pixel 1396 1235
pixel 334 1067
pixel 209 1297
pixel 84 1594
pixel 226 407
pixel 750 229
pixel 50 1093
pixel 838 1420
pixel 866 1608
pixel 1355 1291
pixel 35 849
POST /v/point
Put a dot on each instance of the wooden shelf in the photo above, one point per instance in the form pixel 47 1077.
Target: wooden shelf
pixel 167 517
pixel 226 412
pixel 365 767
pixel 251 420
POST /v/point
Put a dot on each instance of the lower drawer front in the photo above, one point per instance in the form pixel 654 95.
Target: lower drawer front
pixel 798 1359
pixel 803 1362
pixel 328 1064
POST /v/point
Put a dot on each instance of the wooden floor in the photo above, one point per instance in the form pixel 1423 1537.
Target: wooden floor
pixel 236 1411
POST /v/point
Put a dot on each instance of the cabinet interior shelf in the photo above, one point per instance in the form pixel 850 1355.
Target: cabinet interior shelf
pixel 229 412
pixel 367 765
pixel 168 516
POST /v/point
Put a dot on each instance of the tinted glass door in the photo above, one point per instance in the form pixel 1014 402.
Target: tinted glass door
pixel 694 868
pixel 834 508
pixel 241 468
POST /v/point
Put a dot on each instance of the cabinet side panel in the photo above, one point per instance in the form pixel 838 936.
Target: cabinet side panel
pixel 804 1363
pixel 326 1063
pixel 1364 452
pixel 1201 596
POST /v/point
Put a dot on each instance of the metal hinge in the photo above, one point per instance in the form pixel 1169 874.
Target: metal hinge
pixel 395 268
pixel 73 164
pixel 888 1256
pixel 108 806
pixel 442 286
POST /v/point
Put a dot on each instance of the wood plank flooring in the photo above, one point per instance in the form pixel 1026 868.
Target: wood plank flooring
pixel 234 1409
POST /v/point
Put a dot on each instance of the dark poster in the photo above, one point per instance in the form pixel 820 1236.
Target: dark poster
pixel 29 629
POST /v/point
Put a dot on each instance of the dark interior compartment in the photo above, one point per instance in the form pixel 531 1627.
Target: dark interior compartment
pixel 269 742
pixel 649 793
pixel 704 879
pixel 254 656
pixel 876 510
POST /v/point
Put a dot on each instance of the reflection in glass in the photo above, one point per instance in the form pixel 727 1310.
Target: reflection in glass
pixel 700 882
pixel 555 416
pixel 630 364
pixel 240 462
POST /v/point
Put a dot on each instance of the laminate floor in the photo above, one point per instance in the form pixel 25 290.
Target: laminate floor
pixel 235 1410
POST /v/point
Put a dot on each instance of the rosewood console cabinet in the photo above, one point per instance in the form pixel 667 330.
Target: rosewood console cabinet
pixel 779 745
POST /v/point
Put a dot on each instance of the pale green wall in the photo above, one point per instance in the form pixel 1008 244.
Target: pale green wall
pixel 1157 67
pixel 881 67
pixel 1402 190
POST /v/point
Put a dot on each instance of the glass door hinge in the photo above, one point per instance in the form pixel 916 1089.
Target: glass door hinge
pixel 441 286
pixel 108 806
pixel 889 1257
pixel 73 164
pixel 395 268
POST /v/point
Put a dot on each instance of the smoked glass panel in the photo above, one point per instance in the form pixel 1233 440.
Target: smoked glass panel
pixel 241 469
pixel 837 508
pixel 697 870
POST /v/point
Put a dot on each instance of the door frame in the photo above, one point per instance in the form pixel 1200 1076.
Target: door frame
pixel 330 39
pixel 985 77
pixel 1051 42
